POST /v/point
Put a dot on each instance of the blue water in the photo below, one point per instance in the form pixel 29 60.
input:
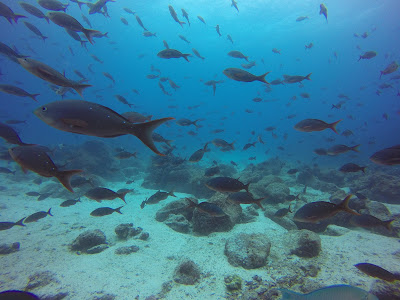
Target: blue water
pixel 259 27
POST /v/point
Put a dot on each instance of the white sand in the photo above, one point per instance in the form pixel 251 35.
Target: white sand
pixel 44 247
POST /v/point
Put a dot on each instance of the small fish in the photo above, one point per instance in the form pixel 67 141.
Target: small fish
pixel 377 272
pixel 33 10
pixel 368 55
pixel 198 155
pixel 129 11
pixel 217 29
pixel 238 54
pixel 323 11
pixel 320 151
pixel 245 198
pixel 105 211
pixel 310 125
pixel 16 91
pixel 351 168
pixel 369 221
pixel 212 171
pixel 174 15
pixel 292 171
pixel 157 197
pixel 229 38
pixel 185 15
pixel 35 30
pixel 9 225
pixel 34 158
pixel 99 193
pixel 234 4
pixel 392 67
pixel 244 76
pixel 201 19
pixel 317 211
pixel 207 207
pixel 295 78
pixel 197 54
pixel 187 122
pixel 226 184
pixel 149 34
pixel 172 53
pixel 233 163
pixel 69 203
pixel 277 51
pixel 388 156
pixel 302 18
pixel 125 155
pixel 280 213
pixel 247 146
pixel 37 216
pixel 7 13
pixel 340 149
pixel 140 22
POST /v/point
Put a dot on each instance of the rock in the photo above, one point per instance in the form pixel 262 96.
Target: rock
pixel 97 249
pixel 259 189
pixel 386 290
pixel 233 283
pixel 204 224
pixel 331 176
pixel 126 230
pixel 105 297
pixel 126 250
pixel 9 248
pixel 276 193
pixel 249 251
pixel 333 230
pixel 40 279
pixel 144 236
pixel 337 196
pixel 178 223
pixel 306 177
pixel 179 207
pixel 378 210
pixel 88 239
pixel 303 243
pixel 187 273
pixel 286 222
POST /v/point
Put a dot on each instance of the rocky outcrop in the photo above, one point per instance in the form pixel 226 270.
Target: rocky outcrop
pixel 88 240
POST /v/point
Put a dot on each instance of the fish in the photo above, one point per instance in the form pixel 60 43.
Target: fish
pixel 201 19
pixel 226 184
pixel 220 143
pixel 212 171
pixel 351 168
pixel 7 13
pixel 302 18
pixel 277 51
pixel 183 38
pixel 207 207
pixel 68 22
pixel 229 38
pixel 388 156
pixel 217 29
pixel 129 11
pixel 33 10
pixel 238 54
pixel 123 100
pixel 245 198
pixel 15 294
pixel 105 211
pixel 10 135
pixel 310 125
pixel 9 225
pixel 323 11
pixel 347 133
pixel 174 15
pixel 377 272
pixel 140 22
pixel 32 194
pixel 213 83
pixel 160 139
pixel 247 146
pixel 392 67
pixel 125 155
pixel 320 151
pixel 292 171
pixel 315 212
pixel 86 20
pixel 82 117
pixel 135 117
pixel 165 44
pixel 172 53
pixel 10 53
pixel 34 158
pixel 280 213
pixel 234 4
pixel 53 5
pixel 340 149
pixel 49 74
pixel 185 15
pixel 99 193
pixel 157 197
pixel 98 6
pixel 35 30
pixel 149 34
pixel 341 291
pixel 187 122
pixel 123 20
pixel 198 155
pixel 69 203
pixel 309 46
pixel 16 91
pixel 368 55
pixel 244 76
pixel 37 216
pixel 249 65
pixel 197 54
pixel 295 78
pixel 369 221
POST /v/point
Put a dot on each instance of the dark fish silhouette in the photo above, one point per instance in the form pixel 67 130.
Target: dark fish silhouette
pixel 7 13
pixel 368 221
pixel 226 184
pixel 84 117
pixel 17 295
pixel 14 90
pixel 33 10
pixel 198 155
pixel 351 168
pixel 71 202
pixel 157 197
pixel 310 125
pixel 53 5
pixel 9 225
pixel 172 53
pixel 389 156
pixel 104 211
pixel 34 158
pixel 175 16
pixel 323 11
pixel 99 193
pixel 377 272
pixel 244 76
pixel 207 207
pixel 37 216
pixel 10 135
pixel 245 198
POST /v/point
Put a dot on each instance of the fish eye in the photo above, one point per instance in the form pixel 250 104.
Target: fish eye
pixel 44 108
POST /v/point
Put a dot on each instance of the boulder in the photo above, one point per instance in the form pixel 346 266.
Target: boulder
pixel 187 272
pixel 303 243
pixel 276 193
pixel 9 248
pixel 249 251
pixel 123 231
pixel 87 240
pixel 178 223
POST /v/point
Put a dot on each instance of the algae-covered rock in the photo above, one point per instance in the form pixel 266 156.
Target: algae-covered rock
pixel 276 192
pixel 126 250
pixel 187 272
pixel 41 279
pixel 233 283
pixel 88 239
pixel 9 248
pixel 249 251
pixel 303 243
pixel 178 223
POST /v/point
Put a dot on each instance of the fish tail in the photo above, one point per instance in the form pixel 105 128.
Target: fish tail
pixel 388 224
pixel 122 196
pixel 308 76
pixel 80 87
pixel 359 58
pixel 20 222
pixel 44 38
pixel 144 131
pixel 65 7
pixel 232 145
pixel 181 23
pixel 49 212
pixel 333 126
pixel 80 4
pixel 205 147
pixel 195 123
pixel 185 56
pixel 118 210
pixel 89 34
pixel 355 148
pixel 246 187
pixel 246 58
pixel 33 96
pixel 262 78
pixel 83 44
pixel 191 203
pixel 134 154
pixel 47 19
pixel 16 17
pixel 168 142
pixel 65 176
pixel 344 205
pixel 171 193
pixel 258 202
pixel 363 169
pixel 381 75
